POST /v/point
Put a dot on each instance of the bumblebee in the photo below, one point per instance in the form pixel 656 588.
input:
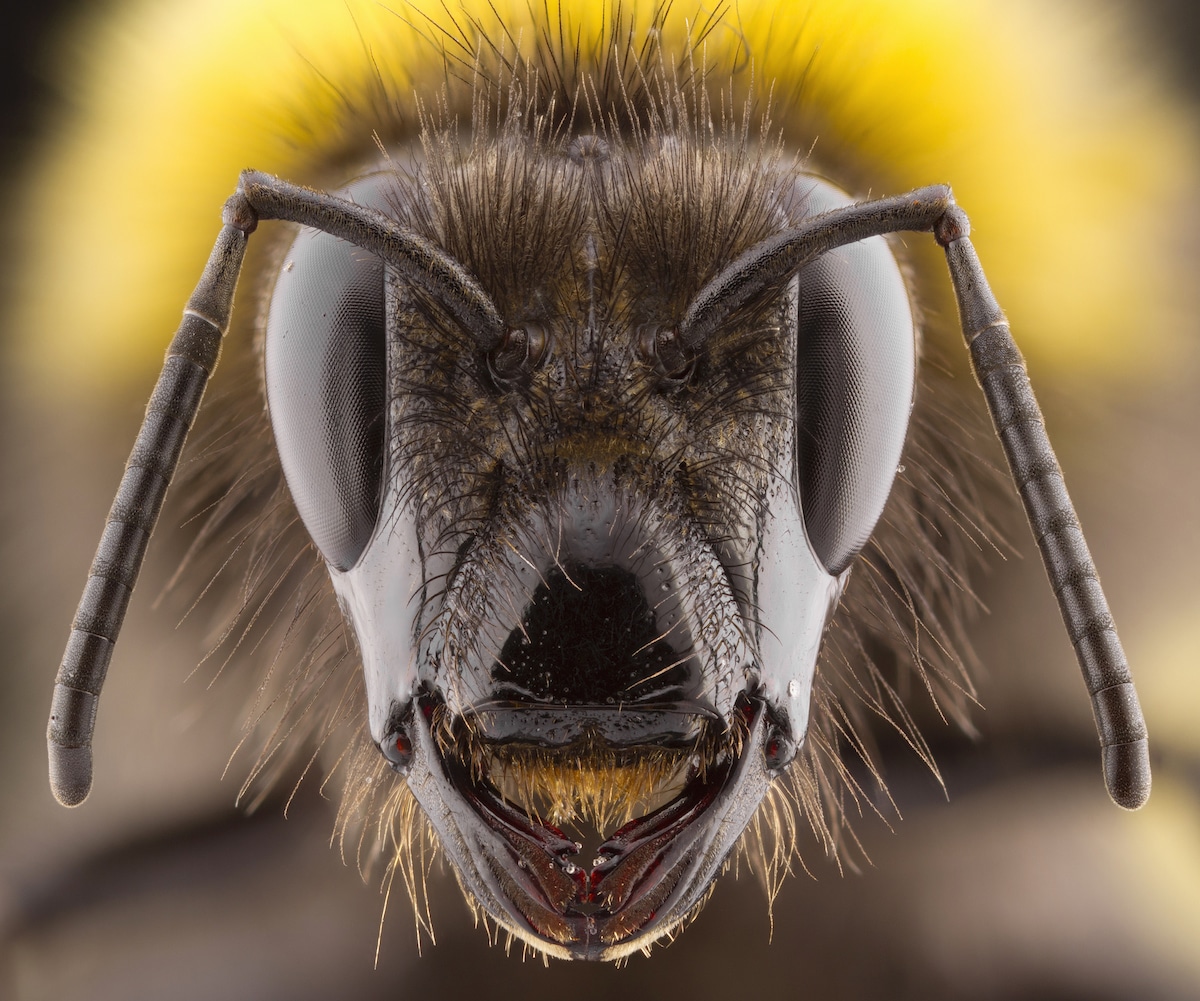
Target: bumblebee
pixel 592 405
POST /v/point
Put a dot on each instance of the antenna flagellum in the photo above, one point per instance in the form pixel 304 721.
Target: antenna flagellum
pixel 764 268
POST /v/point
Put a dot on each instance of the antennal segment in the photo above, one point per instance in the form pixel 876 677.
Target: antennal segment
pixel 765 267
pixel 419 261
pixel 1001 372
pixel 169 414
pixel 190 361
pixel 770 264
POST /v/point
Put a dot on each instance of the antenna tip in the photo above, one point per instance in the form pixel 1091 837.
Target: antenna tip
pixel 70 774
pixel 1127 773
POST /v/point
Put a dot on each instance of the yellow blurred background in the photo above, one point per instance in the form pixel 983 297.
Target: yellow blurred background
pixel 1069 131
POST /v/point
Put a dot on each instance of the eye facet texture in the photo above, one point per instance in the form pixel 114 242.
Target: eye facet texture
pixel 325 377
pixel 856 355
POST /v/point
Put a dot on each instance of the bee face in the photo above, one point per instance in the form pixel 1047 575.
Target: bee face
pixel 587 556
pixel 578 563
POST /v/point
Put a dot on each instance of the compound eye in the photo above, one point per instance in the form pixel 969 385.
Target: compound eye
pixel 854 386
pixel 325 375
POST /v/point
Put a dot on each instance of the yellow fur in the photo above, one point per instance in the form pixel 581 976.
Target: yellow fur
pixel 1069 162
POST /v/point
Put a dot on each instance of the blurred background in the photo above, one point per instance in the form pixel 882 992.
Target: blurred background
pixel 1021 880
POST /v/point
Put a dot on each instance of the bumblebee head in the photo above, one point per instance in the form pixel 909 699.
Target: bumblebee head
pixel 589 418
pixel 589 556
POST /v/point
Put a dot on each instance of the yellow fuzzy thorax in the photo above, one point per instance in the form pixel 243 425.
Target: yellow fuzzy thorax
pixel 1067 156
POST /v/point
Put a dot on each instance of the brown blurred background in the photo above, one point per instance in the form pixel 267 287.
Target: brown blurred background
pixel 1023 881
